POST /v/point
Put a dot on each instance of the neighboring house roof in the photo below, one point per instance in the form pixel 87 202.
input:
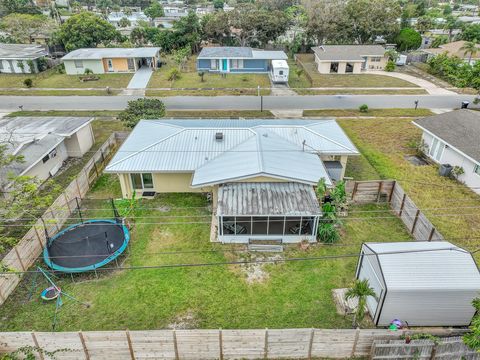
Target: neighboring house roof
pixel 34 137
pixel 237 52
pixel 21 51
pixel 281 198
pixel 101 53
pixel 347 52
pixel 460 129
pixel 453 49
pixel 283 149
pixel 118 15
pixel 415 265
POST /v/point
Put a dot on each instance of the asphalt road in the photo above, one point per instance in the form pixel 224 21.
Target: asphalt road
pixel 12 103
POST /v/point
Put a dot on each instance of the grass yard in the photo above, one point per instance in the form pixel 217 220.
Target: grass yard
pixel 372 91
pixel 207 92
pixel 190 79
pixel 347 80
pixel 52 79
pixel 370 112
pixel 294 294
pixel 385 142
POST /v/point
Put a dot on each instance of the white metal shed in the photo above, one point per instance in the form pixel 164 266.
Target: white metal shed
pixel 422 283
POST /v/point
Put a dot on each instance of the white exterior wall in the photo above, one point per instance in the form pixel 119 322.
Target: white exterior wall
pixel 286 239
pixel 95 65
pixel 10 66
pixel 455 158
pixel 42 170
pixel 80 142
pixel 424 307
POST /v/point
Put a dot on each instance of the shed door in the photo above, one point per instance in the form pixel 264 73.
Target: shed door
pixel 224 64
pixel 367 272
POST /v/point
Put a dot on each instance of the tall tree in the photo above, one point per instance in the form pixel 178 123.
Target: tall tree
pixel 216 28
pixel 424 23
pixel 451 24
pixel 371 18
pixel 21 27
pixel 408 39
pixel 471 48
pixel 471 33
pixel 86 30
pixel 19 7
pixel 154 11
pixel 326 20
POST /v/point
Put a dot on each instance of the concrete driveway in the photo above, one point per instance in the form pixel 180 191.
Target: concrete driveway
pixel 431 88
pixel 141 78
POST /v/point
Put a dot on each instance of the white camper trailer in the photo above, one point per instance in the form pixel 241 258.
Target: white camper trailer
pixel 279 71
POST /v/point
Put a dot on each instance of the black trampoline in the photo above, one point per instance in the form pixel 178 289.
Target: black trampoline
pixel 86 246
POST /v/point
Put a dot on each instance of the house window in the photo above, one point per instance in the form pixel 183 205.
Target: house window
pixel 280 72
pixel 45 158
pixel 78 64
pixel 476 169
pixel 376 59
pixel 142 181
pixel 214 64
pixel 237 64
pixel 50 155
pixel 436 149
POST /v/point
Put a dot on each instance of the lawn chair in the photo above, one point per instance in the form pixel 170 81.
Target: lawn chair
pixel 235 229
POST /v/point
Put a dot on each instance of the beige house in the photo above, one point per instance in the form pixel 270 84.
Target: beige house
pixel 110 60
pixel 454 49
pixel 268 166
pixel 44 142
pixel 349 59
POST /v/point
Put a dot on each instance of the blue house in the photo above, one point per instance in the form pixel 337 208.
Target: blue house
pixel 227 59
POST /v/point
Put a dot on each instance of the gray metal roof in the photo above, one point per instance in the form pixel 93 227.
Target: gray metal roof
pixel 282 198
pixel 459 129
pixel 100 53
pixel 285 149
pixel 347 52
pixel 21 51
pixel 34 137
pixel 434 265
pixel 235 52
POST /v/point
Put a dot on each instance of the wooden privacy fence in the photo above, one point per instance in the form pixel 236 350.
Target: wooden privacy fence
pixel 205 344
pixel 26 252
pixel 390 191
pixel 446 349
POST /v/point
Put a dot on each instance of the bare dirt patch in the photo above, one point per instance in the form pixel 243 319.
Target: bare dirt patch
pixel 255 273
pixel 183 321
pixel 161 238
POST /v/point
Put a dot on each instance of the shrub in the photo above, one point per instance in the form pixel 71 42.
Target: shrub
pixel 328 233
pixel 42 64
pixel 142 109
pixel 201 74
pixel 28 82
pixel 363 108
pixel 390 66
pixel 174 74
pixel 88 71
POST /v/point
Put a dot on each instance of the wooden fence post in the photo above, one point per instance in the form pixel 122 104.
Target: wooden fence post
pixel 54 219
pixel 380 185
pixel 78 187
pixel 38 236
pixel 432 232
pixel 434 352
pixel 265 346
pixel 67 202
pixel 220 343
pixel 310 344
pixel 19 258
pixel 402 205
pixel 39 350
pixel 84 345
pixel 175 345
pixel 2 298
pixel 391 192
pixel 355 342
pixel 130 346
pixel 415 221
pixel 354 191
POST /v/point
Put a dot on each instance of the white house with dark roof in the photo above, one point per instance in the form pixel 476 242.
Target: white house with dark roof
pixel 236 59
pixel 15 58
pixel 349 59
pixel 253 168
pixel 453 138
pixel 44 143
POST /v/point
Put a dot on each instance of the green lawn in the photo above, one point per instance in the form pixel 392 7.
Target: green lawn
pixel 371 112
pixel 52 79
pixel 347 80
pixel 190 79
pixel 385 142
pixel 372 91
pixel 294 294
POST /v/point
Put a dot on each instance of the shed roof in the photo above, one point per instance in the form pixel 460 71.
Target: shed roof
pixel 347 52
pixel 34 137
pixel 286 149
pixel 459 129
pixel 238 52
pixel 426 265
pixel 282 198
pixel 100 53
pixel 21 51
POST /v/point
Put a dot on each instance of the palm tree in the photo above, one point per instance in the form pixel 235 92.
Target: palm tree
pixel 361 290
pixel 471 48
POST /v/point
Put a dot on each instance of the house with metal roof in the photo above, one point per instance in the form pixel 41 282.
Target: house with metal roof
pixel 420 283
pixel 21 58
pixel 452 138
pixel 111 60
pixel 44 143
pixel 349 59
pixel 260 173
pixel 232 59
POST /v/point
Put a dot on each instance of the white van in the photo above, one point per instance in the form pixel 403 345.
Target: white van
pixel 279 71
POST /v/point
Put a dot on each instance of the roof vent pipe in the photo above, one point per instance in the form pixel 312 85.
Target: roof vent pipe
pixel 219 136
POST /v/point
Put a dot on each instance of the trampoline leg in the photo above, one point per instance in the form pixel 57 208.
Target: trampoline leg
pixel 71 275
pixel 116 262
pixel 96 275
